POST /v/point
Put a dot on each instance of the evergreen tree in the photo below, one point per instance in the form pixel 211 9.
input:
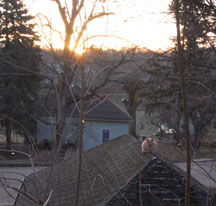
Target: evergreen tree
pixel 19 66
pixel 197 19
pixel 164 96
pixel 15 26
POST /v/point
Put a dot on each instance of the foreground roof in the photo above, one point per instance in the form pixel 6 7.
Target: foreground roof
pixel 106 169
pixel 163 185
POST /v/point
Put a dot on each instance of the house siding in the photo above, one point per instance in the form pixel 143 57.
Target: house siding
pixel 102 115
pixel 45 128
pixel 92 135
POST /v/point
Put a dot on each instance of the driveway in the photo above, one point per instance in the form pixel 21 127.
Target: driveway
pixel 15 173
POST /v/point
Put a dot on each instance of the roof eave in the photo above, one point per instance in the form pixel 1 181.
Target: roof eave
pixel 107 120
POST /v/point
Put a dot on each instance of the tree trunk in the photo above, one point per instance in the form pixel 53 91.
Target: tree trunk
pixel 67 43
pixel 199 133
pixel 132 125
pixel 60 119
pixel 8 134
pixel 184 100
pixel 131 105
pixel 79 171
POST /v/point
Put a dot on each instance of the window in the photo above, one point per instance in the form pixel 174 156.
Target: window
pixel 105 135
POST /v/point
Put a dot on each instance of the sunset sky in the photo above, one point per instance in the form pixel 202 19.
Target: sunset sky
pixel 144 23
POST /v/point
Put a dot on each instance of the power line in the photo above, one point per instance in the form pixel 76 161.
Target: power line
pixel 161 76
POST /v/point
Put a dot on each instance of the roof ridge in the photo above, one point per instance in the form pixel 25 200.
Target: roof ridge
pixel 112 102
pixel 99 103
pixel 120 108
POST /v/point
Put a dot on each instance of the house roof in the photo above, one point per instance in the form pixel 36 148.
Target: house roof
pixel 106 169
pixel 47 103
pixel 107 110
pixel 101 110
pixel 162 184
pixel 111 174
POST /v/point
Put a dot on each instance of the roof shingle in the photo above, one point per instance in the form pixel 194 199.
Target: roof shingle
pixel 107 110
pixel 103 110
pixel 105 170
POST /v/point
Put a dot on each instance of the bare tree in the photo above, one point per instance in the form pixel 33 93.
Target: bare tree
pixel 184 99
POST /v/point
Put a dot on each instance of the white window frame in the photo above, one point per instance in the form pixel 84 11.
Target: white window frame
pixel 102 134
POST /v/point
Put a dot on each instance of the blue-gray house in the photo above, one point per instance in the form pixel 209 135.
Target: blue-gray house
pixel 104 121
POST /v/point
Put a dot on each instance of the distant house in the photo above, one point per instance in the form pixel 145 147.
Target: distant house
pixel 111 174
pixel 103 121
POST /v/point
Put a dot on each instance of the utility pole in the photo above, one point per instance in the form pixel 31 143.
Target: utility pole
pixel 79 170
pixel 184 100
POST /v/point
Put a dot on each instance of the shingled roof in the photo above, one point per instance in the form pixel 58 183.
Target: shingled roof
pixel 107 110
pixel 161 184
pixel 103 110
pixel 106 169
pixel 111 174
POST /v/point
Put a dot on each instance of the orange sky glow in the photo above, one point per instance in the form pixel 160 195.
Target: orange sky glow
pixel 143 23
